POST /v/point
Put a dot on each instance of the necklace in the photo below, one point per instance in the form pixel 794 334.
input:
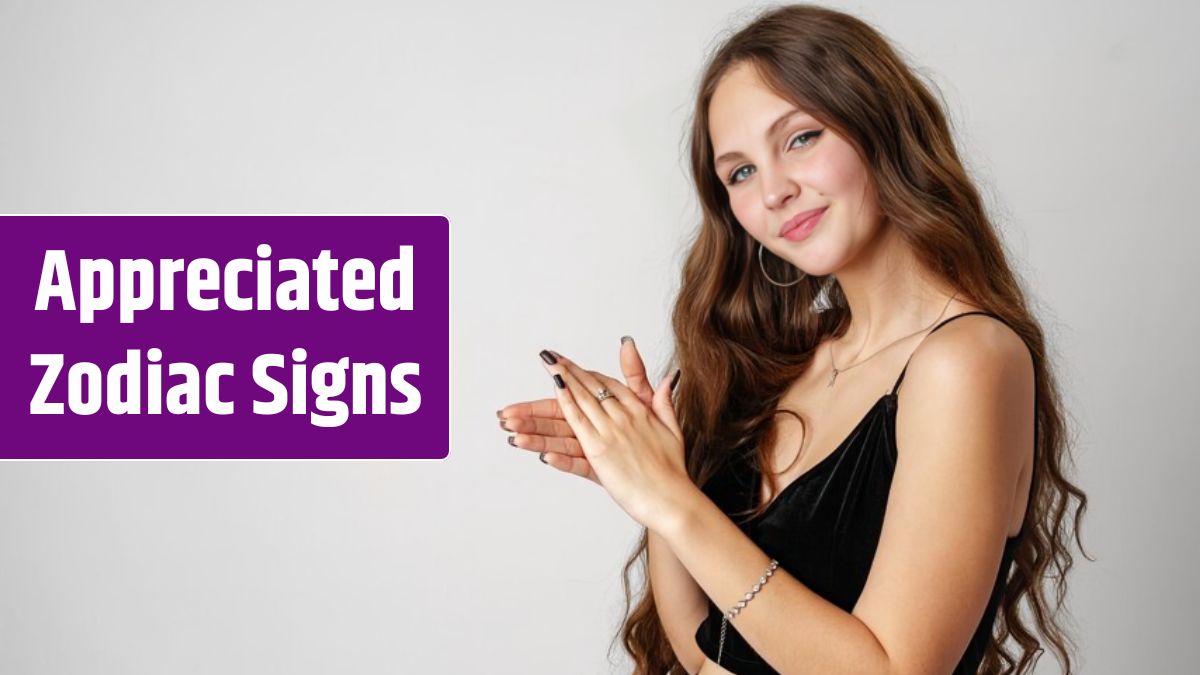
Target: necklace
pixel 837 371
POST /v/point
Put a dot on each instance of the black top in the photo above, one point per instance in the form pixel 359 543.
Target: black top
pixel 824 526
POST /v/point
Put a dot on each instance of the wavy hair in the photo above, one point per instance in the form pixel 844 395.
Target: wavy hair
pixel 745 341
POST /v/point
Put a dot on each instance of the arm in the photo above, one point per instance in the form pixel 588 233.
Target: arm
pixel 963 437
pixel 681 603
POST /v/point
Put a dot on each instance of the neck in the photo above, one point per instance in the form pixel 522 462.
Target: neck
pixel 889 295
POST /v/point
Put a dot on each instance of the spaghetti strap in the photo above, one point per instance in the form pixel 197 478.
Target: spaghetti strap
pixel 943 323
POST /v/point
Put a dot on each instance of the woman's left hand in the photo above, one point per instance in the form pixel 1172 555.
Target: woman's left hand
pixel 635 450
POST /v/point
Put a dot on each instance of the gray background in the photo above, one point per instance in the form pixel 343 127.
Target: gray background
pixel 551 136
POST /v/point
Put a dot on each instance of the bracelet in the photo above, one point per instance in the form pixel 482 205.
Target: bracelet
pixel 742 604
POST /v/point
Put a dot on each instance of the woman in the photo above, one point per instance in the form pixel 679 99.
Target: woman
pixel 805 513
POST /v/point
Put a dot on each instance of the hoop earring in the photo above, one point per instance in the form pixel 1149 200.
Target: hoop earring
pixel 764 271
pixel 822 302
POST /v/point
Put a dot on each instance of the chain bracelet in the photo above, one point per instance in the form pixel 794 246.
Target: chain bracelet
pixel 742 604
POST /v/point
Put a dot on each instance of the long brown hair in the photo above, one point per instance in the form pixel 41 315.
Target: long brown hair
pixel 741 341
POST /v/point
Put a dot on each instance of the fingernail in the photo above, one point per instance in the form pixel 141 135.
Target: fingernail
pixel 499 414
pixel 675 379
pixel 502 426
pixel 558 381
pixel 626 338
pixel 511 441
pixel 548 357
pixel 542 456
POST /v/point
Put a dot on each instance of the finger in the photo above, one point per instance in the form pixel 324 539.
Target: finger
pixel 664 405
pixel 615 385
pixel 660 403
pixel 578 411
pixel 591 380
pixel 573 465
pixel 546 407
pixel 562 446
pixel 634 370
pixel 538 425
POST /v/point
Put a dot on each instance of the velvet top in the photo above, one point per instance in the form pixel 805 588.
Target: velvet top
pixel 824 527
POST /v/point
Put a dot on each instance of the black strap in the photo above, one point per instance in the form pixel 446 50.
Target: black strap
pixel 956 316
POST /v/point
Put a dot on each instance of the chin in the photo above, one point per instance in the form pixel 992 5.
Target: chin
pixel 816 265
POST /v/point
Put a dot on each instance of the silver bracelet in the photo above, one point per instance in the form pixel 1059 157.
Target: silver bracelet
pixel 742 604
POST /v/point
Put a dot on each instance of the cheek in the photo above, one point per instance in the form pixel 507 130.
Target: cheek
pixel 749 212
pixel 838 172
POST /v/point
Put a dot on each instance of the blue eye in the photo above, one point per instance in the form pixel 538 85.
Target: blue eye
pixel 808 135
pixel 733 178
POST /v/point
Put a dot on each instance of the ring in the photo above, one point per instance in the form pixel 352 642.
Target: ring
pixel 603 394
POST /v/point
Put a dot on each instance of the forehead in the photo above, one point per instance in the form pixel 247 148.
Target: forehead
pixel 742 108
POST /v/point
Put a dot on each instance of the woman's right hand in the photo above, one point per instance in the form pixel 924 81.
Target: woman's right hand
pixel 539 426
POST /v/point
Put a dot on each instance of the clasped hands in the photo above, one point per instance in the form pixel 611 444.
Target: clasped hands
pixel 630 443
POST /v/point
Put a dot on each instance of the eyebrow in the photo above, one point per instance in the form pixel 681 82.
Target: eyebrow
pixel 771 130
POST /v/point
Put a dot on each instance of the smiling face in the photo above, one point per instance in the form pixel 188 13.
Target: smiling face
pixel 776 162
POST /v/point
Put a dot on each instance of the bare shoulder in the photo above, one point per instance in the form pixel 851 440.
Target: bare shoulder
pixel 973 368
pixel 969 344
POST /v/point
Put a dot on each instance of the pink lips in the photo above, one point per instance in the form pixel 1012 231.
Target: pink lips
pixel 802 224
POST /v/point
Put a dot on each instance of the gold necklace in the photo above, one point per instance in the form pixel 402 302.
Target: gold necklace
pixel 837 371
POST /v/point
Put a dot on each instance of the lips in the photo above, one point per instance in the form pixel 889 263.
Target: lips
pixel 799 220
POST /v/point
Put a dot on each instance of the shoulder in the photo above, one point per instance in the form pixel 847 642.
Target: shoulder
pixel 974 349
pixel 971 378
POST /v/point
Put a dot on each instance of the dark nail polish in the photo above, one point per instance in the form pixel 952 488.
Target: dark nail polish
pixel 511 442
pixel 502 426
pixel 548 357
pixel 675 379
pixel 499 414
pixel 626 338
pixel 542 456
pixel 559 381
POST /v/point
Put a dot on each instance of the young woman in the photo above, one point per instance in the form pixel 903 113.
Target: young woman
pixel 804 512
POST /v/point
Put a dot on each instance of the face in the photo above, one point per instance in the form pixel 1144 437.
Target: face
pixel 777 162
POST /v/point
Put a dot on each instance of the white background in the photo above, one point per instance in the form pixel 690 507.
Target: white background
pixel 551 134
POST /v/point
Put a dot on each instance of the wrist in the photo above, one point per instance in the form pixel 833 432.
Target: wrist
pixel 681 510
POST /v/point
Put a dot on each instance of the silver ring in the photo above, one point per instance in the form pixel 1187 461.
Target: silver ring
pixel 603 394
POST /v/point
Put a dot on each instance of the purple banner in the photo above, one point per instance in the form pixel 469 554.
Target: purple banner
pixel 226 337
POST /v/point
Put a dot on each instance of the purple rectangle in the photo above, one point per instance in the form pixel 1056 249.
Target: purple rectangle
pixel 403 428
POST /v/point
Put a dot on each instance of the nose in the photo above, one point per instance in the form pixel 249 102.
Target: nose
pixel 778 188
